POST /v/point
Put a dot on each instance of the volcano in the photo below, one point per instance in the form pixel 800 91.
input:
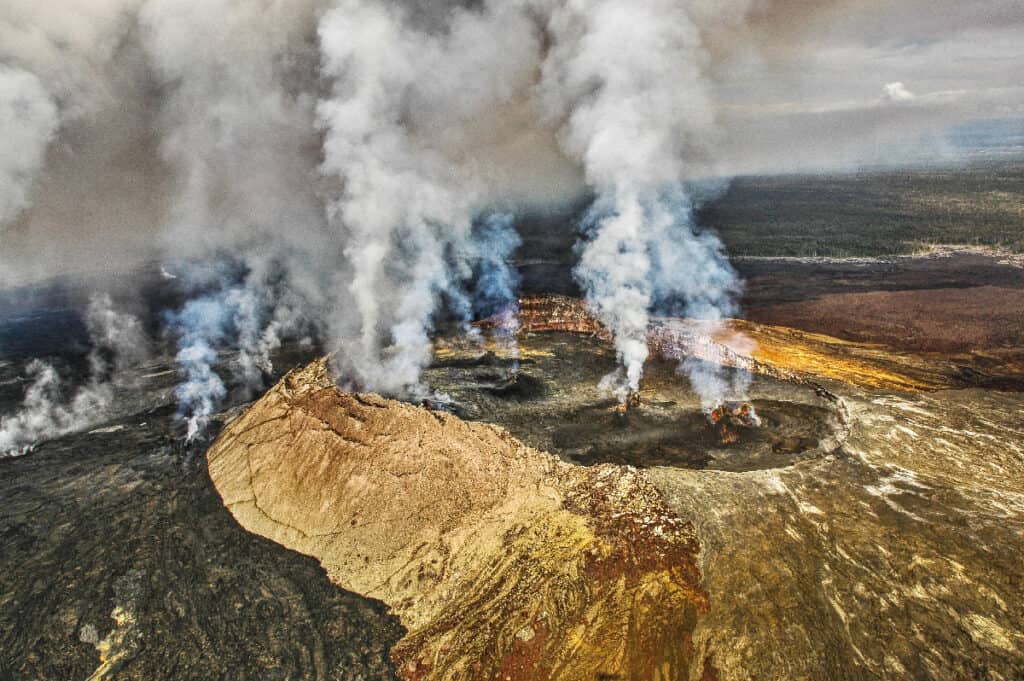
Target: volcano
pixel 520 538
pixel 523 525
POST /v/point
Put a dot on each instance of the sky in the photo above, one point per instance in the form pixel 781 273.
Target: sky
pixel 856 82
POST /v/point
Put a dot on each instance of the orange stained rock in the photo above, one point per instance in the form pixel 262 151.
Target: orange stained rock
pixel 502 561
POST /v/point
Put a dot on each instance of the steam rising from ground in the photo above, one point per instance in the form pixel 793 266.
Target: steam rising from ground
pixel 341 155
pixel 118 342
pixel 634 118
pixel 629 118
pixel 496 285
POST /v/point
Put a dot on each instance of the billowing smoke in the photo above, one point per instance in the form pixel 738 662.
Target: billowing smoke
pixel 118 339
pixel 118 343
pixel 234 328
pixel 400 203
pixel 28 121
pixel 496 283
pixel 635 118
pixel 406 128
pixel 342 155
pixel 630 118
pixel 201 325
pixel 237 124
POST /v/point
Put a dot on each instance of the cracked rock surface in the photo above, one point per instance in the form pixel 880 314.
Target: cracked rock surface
pixel 501 561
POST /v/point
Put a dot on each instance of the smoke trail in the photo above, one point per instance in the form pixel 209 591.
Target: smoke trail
pixel 28 121
pixel 200 325
pixel 692 276
pixel 240 324
pixel 118 342
pixel 237 123
pixel 118 339
pixel 45 415
pixel 614 272
pixel 635 118
pixel 394 129
pixel 496 283
pixel 399 199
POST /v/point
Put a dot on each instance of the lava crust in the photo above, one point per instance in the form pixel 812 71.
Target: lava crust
pixel 502 561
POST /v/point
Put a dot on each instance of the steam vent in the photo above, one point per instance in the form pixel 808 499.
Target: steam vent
pixel 654 547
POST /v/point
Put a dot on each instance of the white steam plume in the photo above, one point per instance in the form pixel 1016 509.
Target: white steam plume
pixel 118 342
pixel 496 283
pixel 405 101
pixel 629 80
pixel 28 121
pixel 237 123
pixel 201 326
pixel 241 324
pixel 118 339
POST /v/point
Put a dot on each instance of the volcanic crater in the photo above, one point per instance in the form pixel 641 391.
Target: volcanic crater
pixel 503 560
pixel 548 397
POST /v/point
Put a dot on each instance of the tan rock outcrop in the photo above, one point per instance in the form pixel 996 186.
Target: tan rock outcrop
pixel 501 561
pixel 778 352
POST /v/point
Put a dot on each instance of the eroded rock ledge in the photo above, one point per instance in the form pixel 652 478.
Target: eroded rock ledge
pixel 500 560
pixel 778 352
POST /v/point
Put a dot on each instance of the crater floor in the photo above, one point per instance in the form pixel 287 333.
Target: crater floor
pixel 553 403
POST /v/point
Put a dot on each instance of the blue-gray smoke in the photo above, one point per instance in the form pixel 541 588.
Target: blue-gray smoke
pixel 496 286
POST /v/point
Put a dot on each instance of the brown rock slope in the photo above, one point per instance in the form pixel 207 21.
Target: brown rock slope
pixel 780 352
pixel 501 561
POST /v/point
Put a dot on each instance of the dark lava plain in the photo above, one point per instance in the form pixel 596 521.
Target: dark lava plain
pixel 872 212
pixel 116 539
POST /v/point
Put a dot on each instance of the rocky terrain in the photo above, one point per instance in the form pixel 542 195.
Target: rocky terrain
pixel 891 552
pixel 870 529
pixel 119 560
pixel 500 560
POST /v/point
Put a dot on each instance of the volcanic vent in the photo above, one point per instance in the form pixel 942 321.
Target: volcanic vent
pixel 548 396
pixel 501 560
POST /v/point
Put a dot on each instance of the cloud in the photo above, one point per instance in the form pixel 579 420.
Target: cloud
pixel 28 122
pixel 897 92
